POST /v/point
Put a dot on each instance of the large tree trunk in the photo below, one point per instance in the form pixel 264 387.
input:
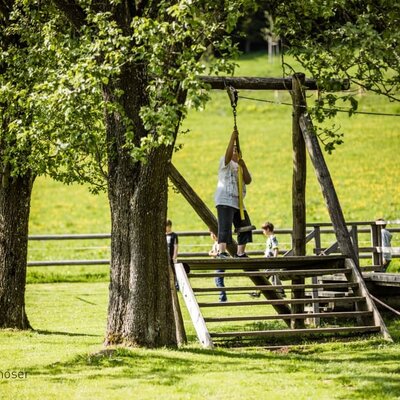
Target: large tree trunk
pixel 15 197
pixel 140 311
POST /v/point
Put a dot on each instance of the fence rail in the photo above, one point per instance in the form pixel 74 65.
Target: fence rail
pixel 320 241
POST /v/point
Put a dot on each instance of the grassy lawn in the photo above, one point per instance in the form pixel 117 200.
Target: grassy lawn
pixel 65 359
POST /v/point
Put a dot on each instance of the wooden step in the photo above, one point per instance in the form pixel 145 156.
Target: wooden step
pixel 346 285
pixel 266 263
pixel 342 314
pixel 282 274
pixel 296 332
pixel 253 303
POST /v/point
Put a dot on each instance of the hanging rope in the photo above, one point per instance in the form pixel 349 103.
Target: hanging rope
pixel 233 97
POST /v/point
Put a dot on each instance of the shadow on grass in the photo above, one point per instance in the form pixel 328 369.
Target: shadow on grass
pixel 374 365
pixel 364 368
pixel 40 277
pixel 45 332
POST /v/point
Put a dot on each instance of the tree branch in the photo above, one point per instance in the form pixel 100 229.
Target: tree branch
pixel 72 11
pixel 5 8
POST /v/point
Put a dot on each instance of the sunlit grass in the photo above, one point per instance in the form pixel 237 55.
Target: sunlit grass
pixel 64 358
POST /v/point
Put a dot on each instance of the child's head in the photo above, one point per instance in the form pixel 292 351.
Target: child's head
pixel 382 222
pixel 168 226
pixel 267 227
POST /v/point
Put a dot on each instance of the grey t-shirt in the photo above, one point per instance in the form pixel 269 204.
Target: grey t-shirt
pixel 227 193
pixel 386 244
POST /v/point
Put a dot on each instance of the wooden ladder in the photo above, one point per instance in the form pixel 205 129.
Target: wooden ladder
pixel 274 316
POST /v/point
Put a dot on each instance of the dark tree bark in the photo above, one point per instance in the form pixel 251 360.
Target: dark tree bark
pixel 140 311
pixel 15 197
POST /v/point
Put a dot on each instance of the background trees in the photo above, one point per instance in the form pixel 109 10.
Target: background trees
pixel 39 135
pixel 22 156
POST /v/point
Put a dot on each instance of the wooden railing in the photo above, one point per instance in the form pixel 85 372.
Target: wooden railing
pixel 194 244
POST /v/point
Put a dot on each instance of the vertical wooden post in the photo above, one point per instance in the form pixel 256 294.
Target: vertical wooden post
pixel 299 168
pixel 317 240
pixel 180 327
pixel 298 186
pixel 376 238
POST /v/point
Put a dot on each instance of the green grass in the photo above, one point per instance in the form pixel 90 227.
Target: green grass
pixel 64 359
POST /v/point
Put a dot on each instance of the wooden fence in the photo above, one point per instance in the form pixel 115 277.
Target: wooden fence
pixel 320 241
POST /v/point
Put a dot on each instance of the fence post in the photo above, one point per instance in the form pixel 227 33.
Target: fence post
pixel 354 237
pixel 376 241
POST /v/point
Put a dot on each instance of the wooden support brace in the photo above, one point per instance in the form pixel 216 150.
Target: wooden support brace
pixel 328 189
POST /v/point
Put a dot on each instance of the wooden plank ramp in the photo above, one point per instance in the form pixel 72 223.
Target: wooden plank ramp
pixel 256 309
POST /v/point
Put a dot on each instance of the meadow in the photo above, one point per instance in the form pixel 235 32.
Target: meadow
pixel 63 356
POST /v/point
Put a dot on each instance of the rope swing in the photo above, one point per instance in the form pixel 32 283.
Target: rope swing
pixel 233 96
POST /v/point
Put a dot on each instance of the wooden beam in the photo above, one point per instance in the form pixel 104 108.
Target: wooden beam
pixel 328 189
pixel 193 199
pixel 258 83
pixel 298 187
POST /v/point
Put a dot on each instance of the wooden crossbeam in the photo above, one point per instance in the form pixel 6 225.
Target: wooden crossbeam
pixel 267 262
pixel 336 300
pixel 339 285
pixel 258 83
pixel 298 332
pixel 336 314
pixel 281 274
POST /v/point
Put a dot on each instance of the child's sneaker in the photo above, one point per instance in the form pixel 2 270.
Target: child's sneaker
pixel 224 254
pixel 244 255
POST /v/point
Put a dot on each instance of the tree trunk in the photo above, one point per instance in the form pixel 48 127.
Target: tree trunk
pixel 140 311
pixel 15 197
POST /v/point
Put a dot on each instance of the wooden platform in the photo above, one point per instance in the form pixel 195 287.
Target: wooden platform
pixel 383 286
pixel 280 312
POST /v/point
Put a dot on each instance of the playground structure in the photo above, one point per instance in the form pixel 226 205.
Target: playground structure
pixel 296 267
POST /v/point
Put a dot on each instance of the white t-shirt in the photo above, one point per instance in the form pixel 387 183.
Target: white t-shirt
pixel 227 193
pixel 271 245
